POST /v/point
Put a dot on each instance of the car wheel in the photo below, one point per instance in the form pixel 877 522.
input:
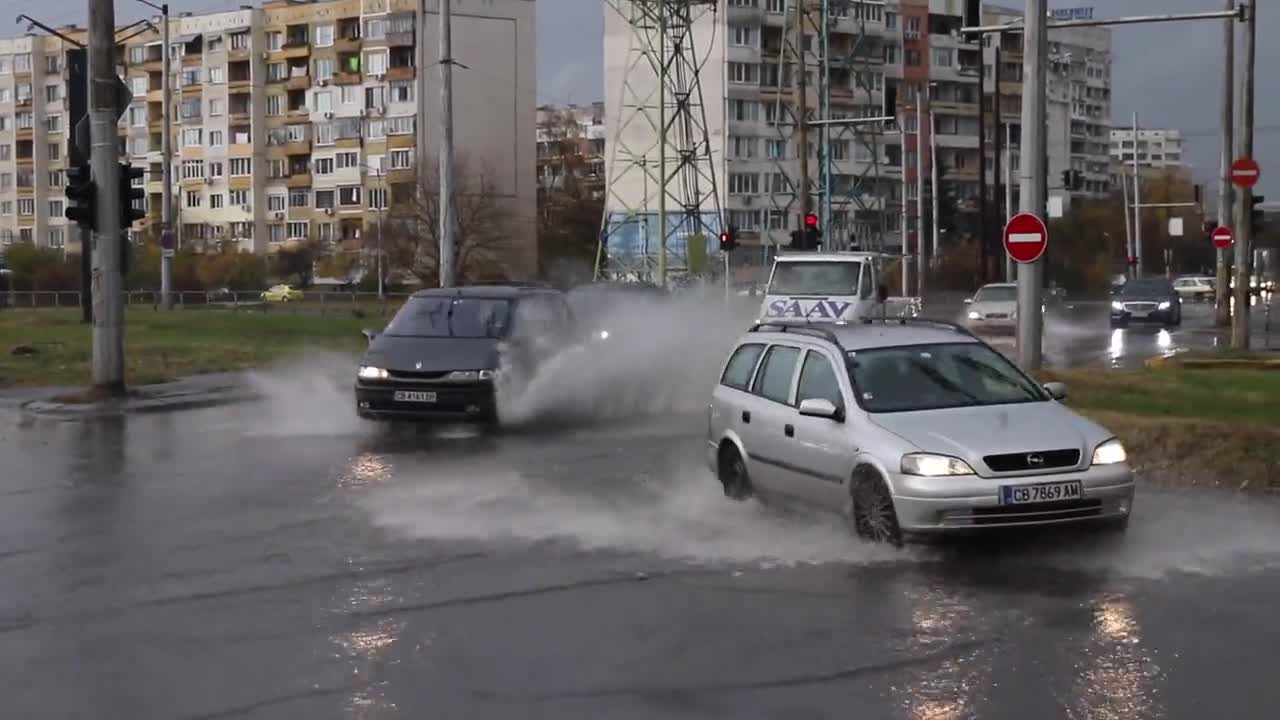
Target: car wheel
pixel 732 470
pixel 873 514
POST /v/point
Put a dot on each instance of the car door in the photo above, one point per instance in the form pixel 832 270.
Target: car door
pixel 765 418
pixel 729 413
pixel 817 450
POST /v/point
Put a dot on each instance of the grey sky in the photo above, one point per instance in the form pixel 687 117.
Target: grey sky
pixel 1168 73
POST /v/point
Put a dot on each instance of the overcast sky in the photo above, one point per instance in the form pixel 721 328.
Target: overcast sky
pixel 1169 73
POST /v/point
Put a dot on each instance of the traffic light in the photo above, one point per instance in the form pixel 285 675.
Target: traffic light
pixel 128 193
pixel 82 195
pixel 1258 221
pixel 812 232
pixel 728 240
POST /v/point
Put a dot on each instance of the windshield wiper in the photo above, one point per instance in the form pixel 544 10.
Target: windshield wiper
pixel 988 371
pixel 944 382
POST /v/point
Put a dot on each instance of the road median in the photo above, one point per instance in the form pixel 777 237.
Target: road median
pixel 1187 427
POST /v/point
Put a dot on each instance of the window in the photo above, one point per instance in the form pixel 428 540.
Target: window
pixel 324 199
pixel 55 237
pixel 401 159
pixel 744 183
pixel 276 203
pixel 55 151
pixel 943 57
pixel 744 73
pixel 277 168
pixel 55 178
pixel 216 201
pixel 402 91
pixel 296 229
pixel 938 376
pixel 349 196
pixel 818 380
pixel 213 43
pixel 275 40
pixel 323 133
pixel 52 93
pixel 55 208
pixel 374 97
pixel 775 149
pixel 216 107
pixel 193 199
pixel 238 197
pixel 377 198
pixel 349 94
pixel 299 198
pixel 400 125
pixel 192 136
pixel 742 147
pixel 192 169
pixel 372 129
pixel 911 57
pixel 323 102
pixel 347 160
pixel 324 166
pixel 53 123
pixel 241 166
pixel 773 381
pixel 217 75
pixel 324 36
pixel 375 63
pixel 744 36
pixel 215 169
pixel 216 138
pixel 275 105
pixel 815 278
pixel 891 21
pixel 737 373
pixel 324 69
pixel 240 41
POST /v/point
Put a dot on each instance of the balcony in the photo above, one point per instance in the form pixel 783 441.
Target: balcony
pixel 400 73
pixel 192 89
pixel 299 180
pixel 400 39
pixel 405 175
pixel 299 147
pixel 25 133
pixel 298 82
pixel 346 44
pixel 347 78
pixel 239 87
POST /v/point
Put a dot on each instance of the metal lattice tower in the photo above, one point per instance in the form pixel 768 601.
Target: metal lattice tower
pixel 661 141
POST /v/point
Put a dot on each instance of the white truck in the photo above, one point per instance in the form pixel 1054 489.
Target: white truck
pixel 830 287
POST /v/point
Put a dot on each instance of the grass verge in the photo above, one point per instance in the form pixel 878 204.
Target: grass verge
pixel 162 346
pixel 1184 426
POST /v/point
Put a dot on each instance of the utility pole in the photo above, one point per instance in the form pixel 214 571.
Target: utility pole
pixel 166 172
pixel 1010 269
pixel 1222 285
pixel 1137 203
pixel 984 242
pixel 906 246
pixel 108 285
pixel 1032 177
pixel 933 161
pixel 802 112
pixel 1244 233
pixel 920 123
pixel 1128 219
pixel 662 146
pixel 446 147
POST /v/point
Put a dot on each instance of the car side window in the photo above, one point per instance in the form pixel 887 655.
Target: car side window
pixel 737 373
pixel 818 380
pixel 773 382
pixel 867 285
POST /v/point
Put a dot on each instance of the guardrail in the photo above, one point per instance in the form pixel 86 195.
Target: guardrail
pixel 311 303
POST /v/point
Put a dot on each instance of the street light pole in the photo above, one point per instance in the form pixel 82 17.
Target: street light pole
pixel 1244 233
pixel 108 284
pixel 167 245
pixel 1032 175
pixel 446 268
pixel 1222 286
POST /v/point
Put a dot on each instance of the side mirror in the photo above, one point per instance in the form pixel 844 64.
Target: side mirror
pixel 968 301
pixel 370 335
pixel 882 293
pixel 820 408
pixel 1056 390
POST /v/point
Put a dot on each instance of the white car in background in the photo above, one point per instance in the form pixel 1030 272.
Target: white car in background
pixel 994 308
pixel 1195 287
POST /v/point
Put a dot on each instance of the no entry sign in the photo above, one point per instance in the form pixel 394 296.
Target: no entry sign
pixel 1025 237
pixel 1245 172
pixel 1222 237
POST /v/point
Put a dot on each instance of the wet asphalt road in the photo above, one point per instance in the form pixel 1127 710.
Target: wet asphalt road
pixel 246 562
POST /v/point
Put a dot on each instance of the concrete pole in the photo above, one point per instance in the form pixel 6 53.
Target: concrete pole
pixel 166 176
pixel 662 146
pixel 1137 203
pixel 1244 233
pixel 920 123
pixel 906 246
pixel 104 140
pixel 1032 177
pixel 1010 271
pixel 1128 219
pixel 933 183
pixel 1222 286
pixel 447 251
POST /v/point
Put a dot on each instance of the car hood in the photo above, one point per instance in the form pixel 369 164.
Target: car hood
pixel 970 433
pixel 433 354
pixel 1142 297
pixel 999 306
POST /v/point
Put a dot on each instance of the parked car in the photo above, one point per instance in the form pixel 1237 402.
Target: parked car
pixel 908 426
pixel 1151 299
pixel 282 294
pixel 1195 287
pixel 442 354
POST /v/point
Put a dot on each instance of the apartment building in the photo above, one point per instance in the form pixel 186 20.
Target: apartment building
pixel 1156 148
pixel 577 129
pixel 302 121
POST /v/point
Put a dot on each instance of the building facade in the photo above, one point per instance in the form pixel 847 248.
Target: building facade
pixel 293 121
pixel 575 130
pixel 1155 148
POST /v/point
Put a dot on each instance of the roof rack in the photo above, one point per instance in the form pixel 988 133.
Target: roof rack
pixel 813 329
pixel 919 321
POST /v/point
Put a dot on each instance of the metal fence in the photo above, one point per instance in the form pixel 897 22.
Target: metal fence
pixel 315 303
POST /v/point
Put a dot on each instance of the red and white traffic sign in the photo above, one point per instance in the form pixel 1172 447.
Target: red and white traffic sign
pixel 1025 237
pixel 1222 237
pixel 1245 172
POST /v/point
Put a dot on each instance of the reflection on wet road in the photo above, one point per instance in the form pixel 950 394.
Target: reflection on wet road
pixel 218 564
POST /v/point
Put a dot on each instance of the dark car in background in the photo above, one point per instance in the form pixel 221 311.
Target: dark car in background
pixel 441 355
pixel 1146 300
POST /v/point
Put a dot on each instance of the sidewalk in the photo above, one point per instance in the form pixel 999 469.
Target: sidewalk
pixel 199 391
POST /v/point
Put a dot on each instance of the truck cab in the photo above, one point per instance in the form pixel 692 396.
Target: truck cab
pixel 824 287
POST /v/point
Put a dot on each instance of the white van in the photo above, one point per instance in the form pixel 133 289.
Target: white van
pixel 823 287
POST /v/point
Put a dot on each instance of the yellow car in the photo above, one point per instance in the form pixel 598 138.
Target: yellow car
pixel 282 293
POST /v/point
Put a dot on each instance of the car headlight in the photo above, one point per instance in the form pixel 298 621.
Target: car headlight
pixel 369 372
pixel 929 465
pixel 604 334
pixel 1117 305
pixel 471 375
pixel 975 316
pixel 1110 452
pixel 1165 305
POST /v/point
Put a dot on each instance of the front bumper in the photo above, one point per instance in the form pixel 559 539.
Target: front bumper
pixel 1124 317
pixel 948 504
pixel 992 325
pixel 457 402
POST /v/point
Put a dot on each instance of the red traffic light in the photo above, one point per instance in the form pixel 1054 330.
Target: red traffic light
pixel 728 241
pixel 811 220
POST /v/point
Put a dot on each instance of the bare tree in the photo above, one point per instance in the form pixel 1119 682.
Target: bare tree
pixel 411 241
pixel 570 202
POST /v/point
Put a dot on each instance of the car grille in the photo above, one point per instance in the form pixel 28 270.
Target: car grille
pixel 1140 306
pixel 412 375
pixel 997 316
pixel 1020 462
pixel 1034 512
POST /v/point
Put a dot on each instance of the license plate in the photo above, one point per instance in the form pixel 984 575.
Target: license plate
pixel 1044 492
pixel 414 396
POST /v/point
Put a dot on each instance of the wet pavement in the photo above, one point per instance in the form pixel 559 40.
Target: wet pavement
pixel 285 561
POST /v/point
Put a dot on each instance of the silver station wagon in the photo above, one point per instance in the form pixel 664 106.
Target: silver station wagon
pixel 908 427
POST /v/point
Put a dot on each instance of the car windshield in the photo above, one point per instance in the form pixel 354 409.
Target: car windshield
pixel 451 317
pixel 997 293
pixel 815 278
pixel 1145 287
pixel 933 377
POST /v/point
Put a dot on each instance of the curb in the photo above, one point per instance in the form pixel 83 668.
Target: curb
pixel 1156 363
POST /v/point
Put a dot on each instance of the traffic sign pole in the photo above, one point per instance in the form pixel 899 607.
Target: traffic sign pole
pixel 1035 43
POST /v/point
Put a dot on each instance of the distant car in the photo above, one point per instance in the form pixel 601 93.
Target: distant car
pixel 908 426
pixel 282 294
pixel 443 352
pixel 993 308
pixel 1146 300
pixel 1195 287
